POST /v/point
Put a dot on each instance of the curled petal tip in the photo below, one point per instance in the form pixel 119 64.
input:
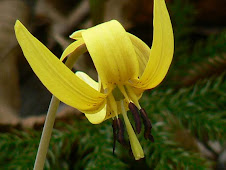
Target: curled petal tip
pixel 17 22
pixel 17 25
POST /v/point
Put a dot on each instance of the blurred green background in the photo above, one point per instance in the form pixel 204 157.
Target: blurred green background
pixel 187 110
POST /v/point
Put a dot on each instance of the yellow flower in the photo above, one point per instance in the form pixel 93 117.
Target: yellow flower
pixel 126 67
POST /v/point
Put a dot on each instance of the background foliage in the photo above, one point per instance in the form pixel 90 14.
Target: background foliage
pixel 187 110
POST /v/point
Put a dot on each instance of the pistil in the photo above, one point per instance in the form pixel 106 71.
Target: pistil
pixel 135 144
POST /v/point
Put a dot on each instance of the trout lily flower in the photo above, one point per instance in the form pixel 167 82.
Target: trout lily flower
pixel 126 67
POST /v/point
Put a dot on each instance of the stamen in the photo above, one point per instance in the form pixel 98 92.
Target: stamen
pixel 147 125
pixel 120 135
pixel 113 104
pixel 135 144
pixel 115 131
pixel 136 116
pixel 133 97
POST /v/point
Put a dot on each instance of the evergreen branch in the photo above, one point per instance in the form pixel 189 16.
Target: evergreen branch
pixel 197 111
pixel 201 109
pixel 18 149
pixel 209 59
pixel 95 148
pixel 194 58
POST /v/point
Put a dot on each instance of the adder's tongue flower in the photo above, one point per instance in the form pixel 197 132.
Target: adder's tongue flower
pixel 126 67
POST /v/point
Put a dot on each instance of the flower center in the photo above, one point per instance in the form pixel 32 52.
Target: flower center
pixel 120 100
pixel 117 94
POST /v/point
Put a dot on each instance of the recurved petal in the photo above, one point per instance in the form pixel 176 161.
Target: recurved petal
pixel 162 48
pixel 142 51
pixel 76 35
pixel 112 53
pixel 98 117
pixel 71 48
pixel 57 78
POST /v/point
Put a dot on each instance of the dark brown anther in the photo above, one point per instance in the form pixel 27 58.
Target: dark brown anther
pixel 120 135
pixel 115 131
pixel 148 135
pixel 147 125
pixel 151 138
pixel 136 116
pixel 145 118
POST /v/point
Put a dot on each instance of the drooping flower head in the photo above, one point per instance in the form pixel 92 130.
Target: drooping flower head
pixel 126 67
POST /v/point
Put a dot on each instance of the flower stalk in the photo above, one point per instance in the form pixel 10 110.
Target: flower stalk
pixel 46 134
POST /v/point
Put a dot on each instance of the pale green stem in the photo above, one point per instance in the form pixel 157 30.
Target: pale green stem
pixel 50 118
pixel 134 142
pixel 46 134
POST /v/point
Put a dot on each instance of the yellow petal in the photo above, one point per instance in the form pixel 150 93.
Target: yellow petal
pixel 76 35
pixel 162 48
pixel 72 47
pixel 142 51
pixel 112 53
pixel 98 117
pixel 83 76
pixel 57 78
